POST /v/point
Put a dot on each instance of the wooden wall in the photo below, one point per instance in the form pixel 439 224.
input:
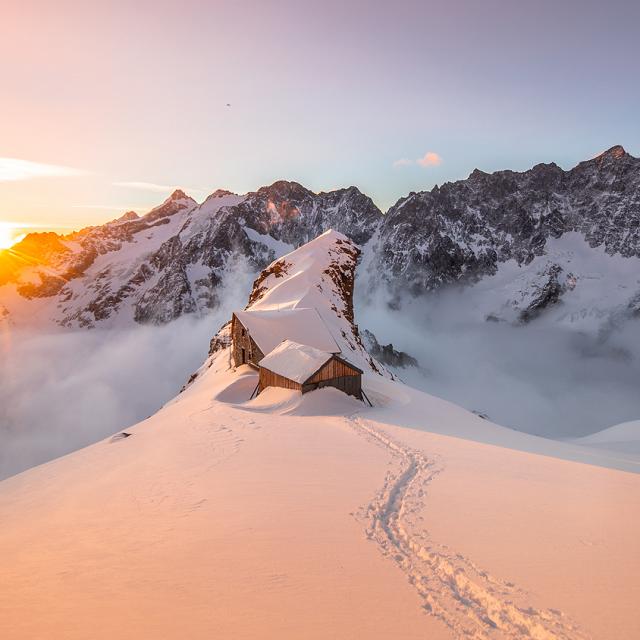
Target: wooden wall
pixel 334 368
pixel 339 374
pixel 335 373
pixel 271 379
pixel 351 385
pixel 253 355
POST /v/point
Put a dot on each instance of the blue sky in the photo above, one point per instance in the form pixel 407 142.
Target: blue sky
pixel 329 94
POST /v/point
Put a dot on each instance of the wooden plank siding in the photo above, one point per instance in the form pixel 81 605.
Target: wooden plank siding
pixel 333 373
pixel 336 372
pixel 351 385
pixel 242 340
pixel 339 374
pixel 271 379
pixel 334 368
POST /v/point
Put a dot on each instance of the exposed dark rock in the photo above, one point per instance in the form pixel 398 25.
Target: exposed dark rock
pixel 386 353
pixel 120 436
pixel 546 295
pixel 460 231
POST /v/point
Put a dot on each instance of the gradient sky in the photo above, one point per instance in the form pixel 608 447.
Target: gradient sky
pixel 326 93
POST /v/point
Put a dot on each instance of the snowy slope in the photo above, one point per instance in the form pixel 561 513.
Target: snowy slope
pixel 575 285
pixel 623 438
pixel 316 517
pixel 319 275
pixel 625 432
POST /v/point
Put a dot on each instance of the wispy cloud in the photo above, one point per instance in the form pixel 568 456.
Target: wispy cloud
pixel 12 169
pixel 429 159
pixel 28 225
pixel 113 207
pixel 156 188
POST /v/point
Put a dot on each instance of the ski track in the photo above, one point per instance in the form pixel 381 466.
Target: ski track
pixel 470 601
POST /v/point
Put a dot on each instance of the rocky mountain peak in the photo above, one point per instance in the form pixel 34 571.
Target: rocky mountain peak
pixel 179 194
pixel 476 174
pixel 344 192
pixel 284 190
pixel 616 152
pixel 463 232
pixel 220 193
pixel 455 234
pixel 612 167
pixel 127 217
pixel 609 158
pixel 176 202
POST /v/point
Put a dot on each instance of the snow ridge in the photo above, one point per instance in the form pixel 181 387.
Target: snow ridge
pixel 318 276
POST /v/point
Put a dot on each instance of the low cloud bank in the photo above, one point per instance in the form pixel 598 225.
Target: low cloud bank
pixel 542 378
pixel 65 390
pixel 62 391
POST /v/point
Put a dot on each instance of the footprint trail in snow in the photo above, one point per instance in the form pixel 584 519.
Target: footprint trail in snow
pixel 471 602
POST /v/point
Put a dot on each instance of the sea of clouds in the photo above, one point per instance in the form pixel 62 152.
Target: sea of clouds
pixel 543 378
pixel 64 390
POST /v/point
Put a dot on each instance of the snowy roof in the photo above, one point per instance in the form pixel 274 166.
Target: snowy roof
pixel 270 328
pixel 298 362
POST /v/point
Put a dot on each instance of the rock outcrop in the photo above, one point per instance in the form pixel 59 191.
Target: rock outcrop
pixel 462 231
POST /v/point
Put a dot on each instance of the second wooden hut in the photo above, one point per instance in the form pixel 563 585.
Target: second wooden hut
pixel 292 365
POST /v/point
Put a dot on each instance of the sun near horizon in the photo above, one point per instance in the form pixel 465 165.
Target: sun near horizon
pixel 9 235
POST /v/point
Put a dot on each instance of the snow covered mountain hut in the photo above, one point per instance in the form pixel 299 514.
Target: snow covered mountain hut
pixel 255 333
pixel 304 368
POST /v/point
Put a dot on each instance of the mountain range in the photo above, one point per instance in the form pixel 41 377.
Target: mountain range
pixel 177 259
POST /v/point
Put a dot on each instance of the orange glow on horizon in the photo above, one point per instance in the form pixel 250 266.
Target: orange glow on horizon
pixel 9 236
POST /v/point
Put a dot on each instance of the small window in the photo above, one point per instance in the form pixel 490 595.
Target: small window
pixel 243 333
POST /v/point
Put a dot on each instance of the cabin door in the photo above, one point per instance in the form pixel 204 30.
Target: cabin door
pixel 244 357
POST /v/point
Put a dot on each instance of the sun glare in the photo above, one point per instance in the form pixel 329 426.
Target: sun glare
pixel 8 236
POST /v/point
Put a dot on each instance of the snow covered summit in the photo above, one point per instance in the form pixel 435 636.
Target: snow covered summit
pixel 305 296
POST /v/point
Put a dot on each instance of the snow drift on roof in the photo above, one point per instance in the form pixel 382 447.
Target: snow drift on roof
pixel 295 361
pixel 270 328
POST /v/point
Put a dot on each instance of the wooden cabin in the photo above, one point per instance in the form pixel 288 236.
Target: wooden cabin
pixel 256 333
pixel 304 368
